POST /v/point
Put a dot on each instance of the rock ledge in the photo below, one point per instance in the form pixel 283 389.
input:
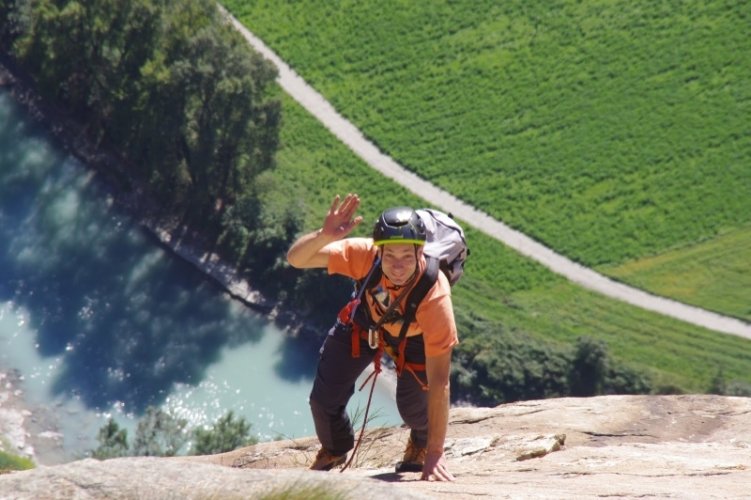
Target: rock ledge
pixel 692 446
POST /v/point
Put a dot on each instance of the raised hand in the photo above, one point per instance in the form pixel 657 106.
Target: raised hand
pixel 340 219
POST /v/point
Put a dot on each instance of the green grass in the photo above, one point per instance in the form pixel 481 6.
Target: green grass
pixel 672 352
pixel 610 131
pixel 712 274
pixel 501 285
pixel 10 462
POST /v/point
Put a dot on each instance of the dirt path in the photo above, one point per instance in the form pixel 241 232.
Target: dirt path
pixel 345 131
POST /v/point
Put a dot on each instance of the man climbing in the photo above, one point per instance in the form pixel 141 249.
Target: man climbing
pixel 389 266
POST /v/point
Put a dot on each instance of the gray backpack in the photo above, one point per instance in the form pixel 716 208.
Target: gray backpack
pixel 445 242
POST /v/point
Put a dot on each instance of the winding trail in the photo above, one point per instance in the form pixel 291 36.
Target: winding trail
pixel 345 131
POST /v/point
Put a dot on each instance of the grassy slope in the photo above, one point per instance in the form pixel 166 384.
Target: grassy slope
pixel 503 287
pixel 610 131
pixel 699 274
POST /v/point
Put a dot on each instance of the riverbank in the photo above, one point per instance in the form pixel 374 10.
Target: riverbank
pixel 14 438
pixel 30 427
pixel 26 430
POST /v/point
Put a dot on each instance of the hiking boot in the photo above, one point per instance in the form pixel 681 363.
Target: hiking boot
pixel 413 459
pixel 326 461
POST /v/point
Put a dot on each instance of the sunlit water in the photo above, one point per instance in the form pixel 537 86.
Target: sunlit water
pixel 101 321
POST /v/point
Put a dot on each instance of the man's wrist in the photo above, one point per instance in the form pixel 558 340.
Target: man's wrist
pixel 321 235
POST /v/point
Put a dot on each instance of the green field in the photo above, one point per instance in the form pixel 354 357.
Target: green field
pixel 610 131
pixel 589 202
pixel 506 290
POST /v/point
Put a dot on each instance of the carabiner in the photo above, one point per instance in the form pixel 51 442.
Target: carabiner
pixel 373 338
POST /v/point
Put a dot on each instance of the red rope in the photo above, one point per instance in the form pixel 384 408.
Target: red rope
pixel 374 376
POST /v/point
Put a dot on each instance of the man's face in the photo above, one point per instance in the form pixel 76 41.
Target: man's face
pixel 399 262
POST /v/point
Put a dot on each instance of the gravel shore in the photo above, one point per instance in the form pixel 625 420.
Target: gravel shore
pixel 14 438
pixel 26 430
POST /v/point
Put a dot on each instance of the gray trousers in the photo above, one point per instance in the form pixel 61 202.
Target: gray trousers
pixel 335 382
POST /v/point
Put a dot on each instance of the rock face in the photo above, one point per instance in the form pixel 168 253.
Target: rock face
pixel 610 446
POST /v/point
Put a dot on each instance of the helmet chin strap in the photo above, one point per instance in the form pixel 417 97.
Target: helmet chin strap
pixel 407 283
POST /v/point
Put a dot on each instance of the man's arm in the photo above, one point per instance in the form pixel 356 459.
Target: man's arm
pixel 310 250
pixel 437 369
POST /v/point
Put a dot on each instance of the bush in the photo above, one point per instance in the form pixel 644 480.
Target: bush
pixel 493 366
pixel 226 435
pixel 113 441
pixel 160 434
pixel 10 462
pixel 588 367
pixel 721 386
pixel 499 366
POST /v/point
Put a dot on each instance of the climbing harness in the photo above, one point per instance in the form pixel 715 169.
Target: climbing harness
pixel 416 289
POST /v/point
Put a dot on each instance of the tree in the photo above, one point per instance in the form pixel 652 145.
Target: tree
pixel 170 85
pixel 227 434
pixel 496 365
pixel 624 380
pixel 9 25
pixel 230 133
pixel 175 93
pixel 159 434
pixel 588 367
pixel 113 441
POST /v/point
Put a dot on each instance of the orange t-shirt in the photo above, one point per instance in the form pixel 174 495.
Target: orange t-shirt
pixel 434 318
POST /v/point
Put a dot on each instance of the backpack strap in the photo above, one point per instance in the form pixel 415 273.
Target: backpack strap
pixel 360 314
pixel 421 288
pixel 347 315
pixel 366 282
pixel 374 275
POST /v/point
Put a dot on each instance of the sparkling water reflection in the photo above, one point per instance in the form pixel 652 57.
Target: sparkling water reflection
pixel 101 321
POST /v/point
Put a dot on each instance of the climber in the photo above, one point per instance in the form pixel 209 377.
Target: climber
pixel 388 266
